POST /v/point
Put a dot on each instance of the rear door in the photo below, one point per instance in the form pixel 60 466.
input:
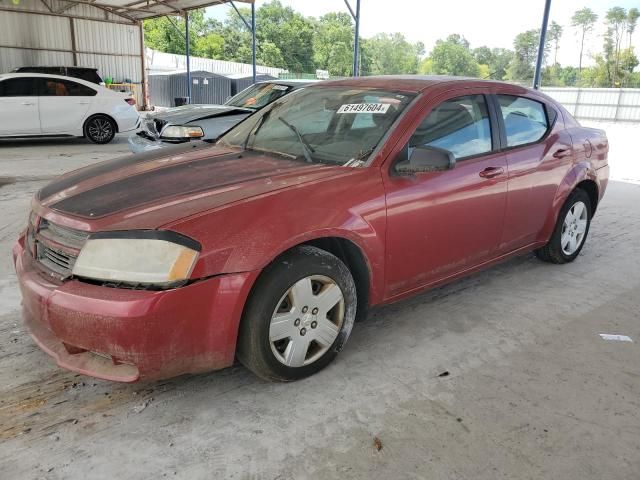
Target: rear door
pixel 63 105
pixel 19 107
pixel 538 149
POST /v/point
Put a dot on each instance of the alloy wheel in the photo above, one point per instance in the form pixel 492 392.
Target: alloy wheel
pixel 574 228
pixel 100 129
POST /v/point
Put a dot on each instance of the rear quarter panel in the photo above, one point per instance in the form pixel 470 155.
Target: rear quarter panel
pixel 589 161
pixel 114 105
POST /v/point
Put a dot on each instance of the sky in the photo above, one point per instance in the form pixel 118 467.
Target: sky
pixel 493 23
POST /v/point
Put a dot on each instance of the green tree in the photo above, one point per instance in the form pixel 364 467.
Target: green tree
pixel 496 59
pixel 167 34
pixel 291 32
pixel 209 45
pixel 483 55
pixel 616 26
pixel 522 64
pixel 569 76
pixel 237 38
pixel 386 54
pixel 584 19
pixel 333 43
pixel 632 20
pixel 554 35
pixel 608 58
pixel 452 57
pixel 628 61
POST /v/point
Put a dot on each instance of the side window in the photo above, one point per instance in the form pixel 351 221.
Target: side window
pixel 18 87
pixel 525 120
pixel 460 125
pixel 64 88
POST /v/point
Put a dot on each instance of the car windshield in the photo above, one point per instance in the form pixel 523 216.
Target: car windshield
pixel 259 95
pixel 333 125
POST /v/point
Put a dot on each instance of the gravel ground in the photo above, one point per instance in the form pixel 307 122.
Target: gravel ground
pixel 500 375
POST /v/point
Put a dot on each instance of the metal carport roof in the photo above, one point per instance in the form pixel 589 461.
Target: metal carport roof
pixel 144 9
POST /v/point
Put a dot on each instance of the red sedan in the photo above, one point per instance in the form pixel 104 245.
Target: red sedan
pixel 268 245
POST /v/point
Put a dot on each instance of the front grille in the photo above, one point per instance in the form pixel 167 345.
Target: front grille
pixel 148 130
pixel 159 125
pixel 55 247
pixel 63 235
pixel 59 262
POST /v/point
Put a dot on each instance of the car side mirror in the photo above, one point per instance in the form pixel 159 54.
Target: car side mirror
pixel 426 159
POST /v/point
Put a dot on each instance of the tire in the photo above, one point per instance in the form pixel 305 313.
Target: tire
pixel 100 129
pixel 572 225
pixel 280 339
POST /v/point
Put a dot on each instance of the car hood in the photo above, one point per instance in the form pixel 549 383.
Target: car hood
pixel 154 189
pixel 189 113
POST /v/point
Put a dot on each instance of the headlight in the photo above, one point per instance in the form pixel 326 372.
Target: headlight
pixel 182 132
pixel 150 257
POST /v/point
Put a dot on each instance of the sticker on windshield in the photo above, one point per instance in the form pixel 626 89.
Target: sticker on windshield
pixel 364 108
pixel 280 87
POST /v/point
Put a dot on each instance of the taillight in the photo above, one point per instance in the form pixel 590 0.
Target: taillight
pixel 130 101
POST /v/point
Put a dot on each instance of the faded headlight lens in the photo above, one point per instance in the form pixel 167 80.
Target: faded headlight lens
pixel 182 132
pixel 138 257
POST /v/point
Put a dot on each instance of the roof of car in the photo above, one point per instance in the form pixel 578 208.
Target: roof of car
pixel 94 86
pixel 48 75
pixel 291 82
pixel 408 83
pixel 70 67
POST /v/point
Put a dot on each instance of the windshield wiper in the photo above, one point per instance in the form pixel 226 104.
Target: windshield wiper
pixel 307 149
pixel 254 131
pixel 358 161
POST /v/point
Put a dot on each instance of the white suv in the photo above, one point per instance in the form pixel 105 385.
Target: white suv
pixel 34 104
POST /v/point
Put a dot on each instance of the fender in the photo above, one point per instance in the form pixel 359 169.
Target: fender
pixel 579 172
pixel 370 251
pixel 247 236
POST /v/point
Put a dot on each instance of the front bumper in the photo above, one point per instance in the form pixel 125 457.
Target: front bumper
pixel 126 335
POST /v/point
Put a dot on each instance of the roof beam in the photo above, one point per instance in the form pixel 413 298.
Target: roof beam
pixel 146 2
pixel 79 17
pixel 66 7
pixel 44 2
pixel 110 8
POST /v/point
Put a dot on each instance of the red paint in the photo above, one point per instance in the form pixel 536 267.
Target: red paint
pixel 415 232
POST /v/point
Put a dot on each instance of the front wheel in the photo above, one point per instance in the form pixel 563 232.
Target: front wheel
pixel 299 315
pixel 570 231
pixel 100 129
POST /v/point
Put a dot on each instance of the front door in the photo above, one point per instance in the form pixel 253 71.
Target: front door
pixel 19 107
pixel 444 222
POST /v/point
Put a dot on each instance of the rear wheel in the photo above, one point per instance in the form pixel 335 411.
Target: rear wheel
pixel 100 129
pixel 570 231
pixel 299 316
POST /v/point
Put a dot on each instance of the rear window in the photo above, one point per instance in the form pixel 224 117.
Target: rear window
pixel 525 120
pixel 84 74
pixel 88 74
pixel 259 95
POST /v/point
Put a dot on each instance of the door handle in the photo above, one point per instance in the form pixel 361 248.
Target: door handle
pixel 561 153
pixel 84 103
pixel 28 103
pixel 491 172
